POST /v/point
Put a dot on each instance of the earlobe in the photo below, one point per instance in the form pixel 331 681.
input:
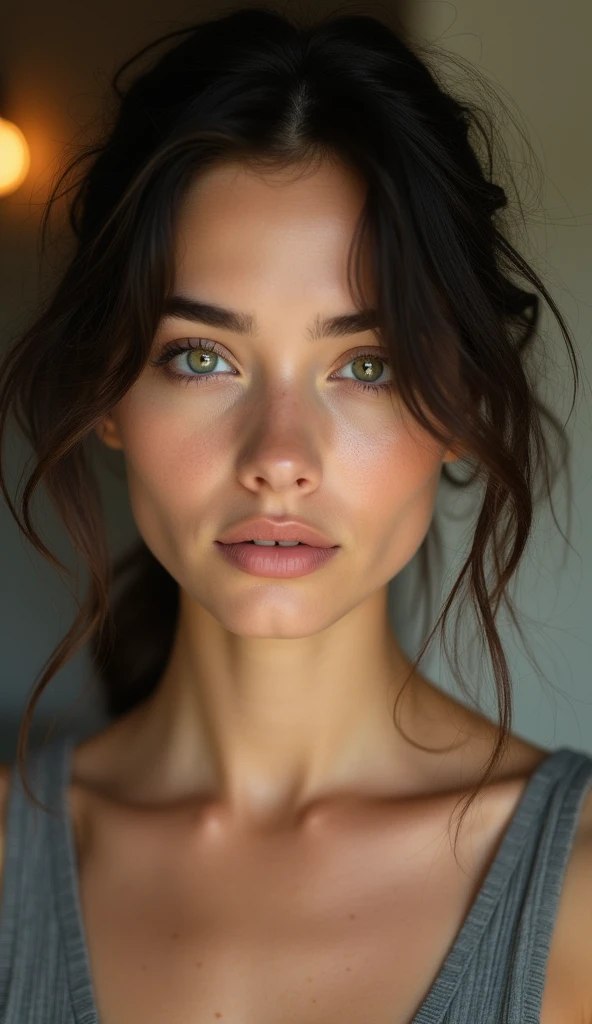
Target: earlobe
pixel 454 454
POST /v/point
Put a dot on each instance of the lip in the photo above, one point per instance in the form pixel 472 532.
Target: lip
pixel 276 562
pixel 279 528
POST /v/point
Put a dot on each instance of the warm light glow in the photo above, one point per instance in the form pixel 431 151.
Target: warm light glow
pixel 14 157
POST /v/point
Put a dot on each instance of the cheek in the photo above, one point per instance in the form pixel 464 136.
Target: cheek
pixel 173 461
pixel 394 492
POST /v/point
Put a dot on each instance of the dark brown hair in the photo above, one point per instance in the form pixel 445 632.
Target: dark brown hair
pixel 257 85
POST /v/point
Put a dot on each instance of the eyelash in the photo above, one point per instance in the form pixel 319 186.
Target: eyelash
pixel 174 348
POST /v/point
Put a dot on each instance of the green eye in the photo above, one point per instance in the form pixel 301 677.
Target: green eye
pixel 203 356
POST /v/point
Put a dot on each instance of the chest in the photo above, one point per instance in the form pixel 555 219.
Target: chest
pixel 317 928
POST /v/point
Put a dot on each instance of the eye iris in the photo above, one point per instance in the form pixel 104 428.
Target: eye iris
pixel 203 359
pixel 366 362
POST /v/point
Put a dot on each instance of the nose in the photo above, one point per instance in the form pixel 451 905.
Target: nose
pixel 281 451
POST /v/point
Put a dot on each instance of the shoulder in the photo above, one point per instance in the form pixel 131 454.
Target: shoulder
pixel 570 957
pixel 567 997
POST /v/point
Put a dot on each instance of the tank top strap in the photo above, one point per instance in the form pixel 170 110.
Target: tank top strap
pixel 499 956
pixel 26 873
pixel 551 810
pixel 65 877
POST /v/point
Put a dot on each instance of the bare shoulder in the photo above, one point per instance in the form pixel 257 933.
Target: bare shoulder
pixel 569 979
pixel 567 997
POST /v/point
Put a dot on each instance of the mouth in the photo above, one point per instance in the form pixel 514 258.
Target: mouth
pixel 264 531
pixel 277 559
pixel 274 544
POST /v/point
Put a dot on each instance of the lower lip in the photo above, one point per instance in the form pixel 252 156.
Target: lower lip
pixel 283 563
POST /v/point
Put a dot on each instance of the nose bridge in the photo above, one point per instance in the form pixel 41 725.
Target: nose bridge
pixel 283 410
pixel 280 433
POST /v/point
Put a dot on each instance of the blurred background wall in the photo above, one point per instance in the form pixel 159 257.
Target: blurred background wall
pixel 55 64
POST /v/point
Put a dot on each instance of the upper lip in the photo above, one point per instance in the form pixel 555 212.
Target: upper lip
pixel 268 528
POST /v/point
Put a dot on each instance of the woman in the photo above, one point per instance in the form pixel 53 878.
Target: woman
pixel 291 308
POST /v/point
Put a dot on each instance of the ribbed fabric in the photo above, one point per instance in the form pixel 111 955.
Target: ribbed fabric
pixel 493 974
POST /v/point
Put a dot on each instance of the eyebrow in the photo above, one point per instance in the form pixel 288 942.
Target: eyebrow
pixel 181 307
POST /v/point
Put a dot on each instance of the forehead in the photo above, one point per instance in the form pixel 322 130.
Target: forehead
pixel 284 229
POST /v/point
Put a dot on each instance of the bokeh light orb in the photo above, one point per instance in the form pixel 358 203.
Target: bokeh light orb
pixel 14 157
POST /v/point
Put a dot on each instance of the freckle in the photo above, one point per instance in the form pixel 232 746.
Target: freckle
pixel 217 1015
pixel 144 967
pixel 352 917
pixel 348 968
pixel 198 963
pixel 175 935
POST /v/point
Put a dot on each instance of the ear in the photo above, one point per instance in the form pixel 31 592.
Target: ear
pixel 107 432
pixel 454 453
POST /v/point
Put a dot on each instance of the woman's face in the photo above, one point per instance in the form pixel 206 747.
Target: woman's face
pixel 278 423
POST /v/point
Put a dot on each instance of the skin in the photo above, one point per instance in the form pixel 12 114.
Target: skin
pixel 278 693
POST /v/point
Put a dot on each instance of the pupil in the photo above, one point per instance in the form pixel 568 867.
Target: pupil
pixel 204 359
pixel 366 363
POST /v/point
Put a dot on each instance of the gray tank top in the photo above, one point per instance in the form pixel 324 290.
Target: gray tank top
pixel 494 972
